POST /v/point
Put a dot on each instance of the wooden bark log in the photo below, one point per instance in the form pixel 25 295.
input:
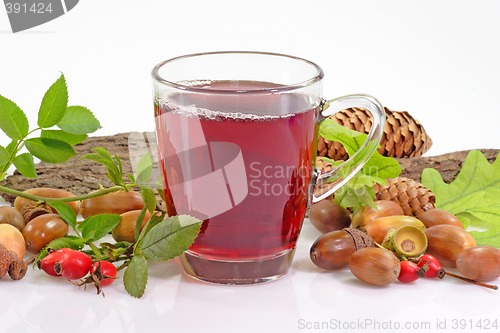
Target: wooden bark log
pixel 448 165
pixel 76 175
pixel 81 176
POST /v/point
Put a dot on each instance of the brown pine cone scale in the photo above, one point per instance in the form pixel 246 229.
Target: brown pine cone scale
pixel 403 135
pixel 412 196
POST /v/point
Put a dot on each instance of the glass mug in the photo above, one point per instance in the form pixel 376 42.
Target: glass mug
pixel 237 135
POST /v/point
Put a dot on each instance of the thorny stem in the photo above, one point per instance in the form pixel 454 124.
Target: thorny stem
pixel 68 199
pixel 482 284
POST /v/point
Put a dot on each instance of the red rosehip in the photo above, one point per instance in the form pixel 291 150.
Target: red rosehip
pixel 104 271
pixel 430 267
pixel 47 264
pixel 408 271
pixel 73 265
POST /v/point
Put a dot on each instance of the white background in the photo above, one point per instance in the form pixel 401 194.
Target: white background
pixel 439 60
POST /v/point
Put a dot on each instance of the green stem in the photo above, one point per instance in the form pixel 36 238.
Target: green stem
pixel 68 199
pixel 17 148
pixel 95 250
pixel 13 154
pixel 124 265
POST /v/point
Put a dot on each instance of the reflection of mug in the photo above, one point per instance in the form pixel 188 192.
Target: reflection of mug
pixel 237 135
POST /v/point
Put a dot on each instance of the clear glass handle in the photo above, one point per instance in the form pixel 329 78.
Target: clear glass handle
pixel 328 182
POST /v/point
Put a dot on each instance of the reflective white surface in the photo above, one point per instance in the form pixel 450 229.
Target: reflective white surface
pixel 306 300
pixel 439 60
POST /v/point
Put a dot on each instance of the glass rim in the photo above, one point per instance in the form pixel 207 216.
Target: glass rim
pixel 281 88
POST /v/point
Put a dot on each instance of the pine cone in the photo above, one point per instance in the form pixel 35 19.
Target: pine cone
pixel 403 135
pixel 412 196
pixel 322 166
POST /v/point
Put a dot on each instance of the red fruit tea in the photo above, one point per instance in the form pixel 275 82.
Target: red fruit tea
pixel 272 137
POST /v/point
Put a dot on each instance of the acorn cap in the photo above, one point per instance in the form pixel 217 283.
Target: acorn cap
pixel 361 239
pixel 407 241
pixel 18 269
pixel 410 241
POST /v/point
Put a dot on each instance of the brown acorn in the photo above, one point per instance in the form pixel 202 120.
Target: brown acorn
pixel 332 250
pixel 375 266
pixel 480 263
pixel 379 227
pixel 366 214
pixel 446 242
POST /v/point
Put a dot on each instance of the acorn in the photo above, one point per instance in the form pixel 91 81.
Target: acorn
pixel 10 215
pixel 407 242
pixel 375 266
pixel 446 242
pixel 46 192
pixel 332 250
pixel 125 230
pixel 113 203
pixel 480 263
pixel 379 227
pixel 367 214
pixel 327 215
pixel 437 216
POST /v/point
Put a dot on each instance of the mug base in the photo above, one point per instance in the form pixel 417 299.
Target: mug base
pixel 239 272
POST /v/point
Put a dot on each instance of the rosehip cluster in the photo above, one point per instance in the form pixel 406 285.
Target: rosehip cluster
pixel 73 265
pixel 427 266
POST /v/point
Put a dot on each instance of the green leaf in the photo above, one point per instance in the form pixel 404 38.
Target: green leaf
pixel 351 140
pixel 102 156
pixel 12 150
pixel 79 120
pixel 50 150
pixel 490 237
pixel 73 242
pixel 144 169
pixel 469 220
pixel 118 162
pixel 378 165
pixel 474 195
pixel 66 212
pixel 355 197
pixel 13 120
pixel 25 165
pixel 98 226
pixel 170 238
pixel 71 139
pixel 135 277
pixel 4 156
pixel 153 221
pixel 149 199
pixel 11 147
pixel 359 190
pixel 477 177
pixel 138 222
pixel 54 104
